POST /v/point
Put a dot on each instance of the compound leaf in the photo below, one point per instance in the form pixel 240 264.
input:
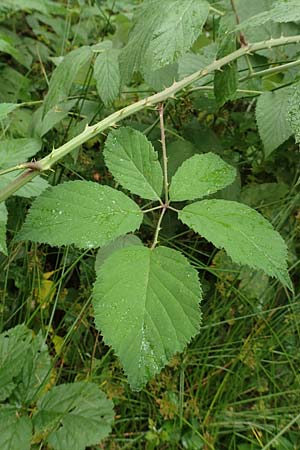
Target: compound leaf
pixel 134 163
pixel 163 31
pixel 65 74
pixel 146 305
pixel 82 213
pixel 3 222
pixel 247 237
pixel 74 416
pixel 15 430
pixel 107 73
pixel 272 118
pixel 200 175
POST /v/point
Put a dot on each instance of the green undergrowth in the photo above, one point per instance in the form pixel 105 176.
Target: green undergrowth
pixel 236 386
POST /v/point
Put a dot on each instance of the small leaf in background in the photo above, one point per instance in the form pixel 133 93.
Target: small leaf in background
pixel 107 72
pixel 3 222
pixel 246 235
pixel 41 125
pixel 14 346
pixel 6 108
pixel 15 430
pixel 35 374
pixel 64 76
pixel 121 242
pixel 294 111
pixel 82 213
pixel 272 118
pixel 281 12
pixel 163 31
pixel 32 189
pixel 146 305
pixel 74 416
pixel 201 175
pixel 133 162
pixel 226 79
pixel 15 151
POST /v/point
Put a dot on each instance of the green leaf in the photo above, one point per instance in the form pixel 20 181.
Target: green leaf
pixel 107 73
pixel 121 242
pixel 146 305
pixel 294 111
pixel 272 118
pixel 65 74
pixel 201 175
pixel 46 6
pixel 3 222
pixel 15 151
pixel 74 416
pixel 134 163
pixel 14 345
pixel 178 152
pixel 35 373
pixel 32 189
pixel 163 77
pixel 226 79
pixel 162 32
pixel 247 236
pixel 15 430
pixel 82 213
pixel 281 12
pixel 6 108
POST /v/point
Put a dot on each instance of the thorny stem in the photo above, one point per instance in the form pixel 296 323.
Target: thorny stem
pixel 91 131
pixel 27 165
pixel 164 151
pixel 158 227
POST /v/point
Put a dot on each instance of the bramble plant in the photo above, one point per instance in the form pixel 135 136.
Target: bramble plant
pixel 146 297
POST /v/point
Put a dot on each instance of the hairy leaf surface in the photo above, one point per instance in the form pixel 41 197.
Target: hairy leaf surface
pixel 134 163
pixel 107 73
pixel 147 307
pixel 272 118
pixel 82 213
pixel 74 415
pixel 200 175
pixel 163 31
pixel 15 430
pixel 247 237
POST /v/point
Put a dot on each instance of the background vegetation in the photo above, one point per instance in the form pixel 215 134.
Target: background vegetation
pixel 237 385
